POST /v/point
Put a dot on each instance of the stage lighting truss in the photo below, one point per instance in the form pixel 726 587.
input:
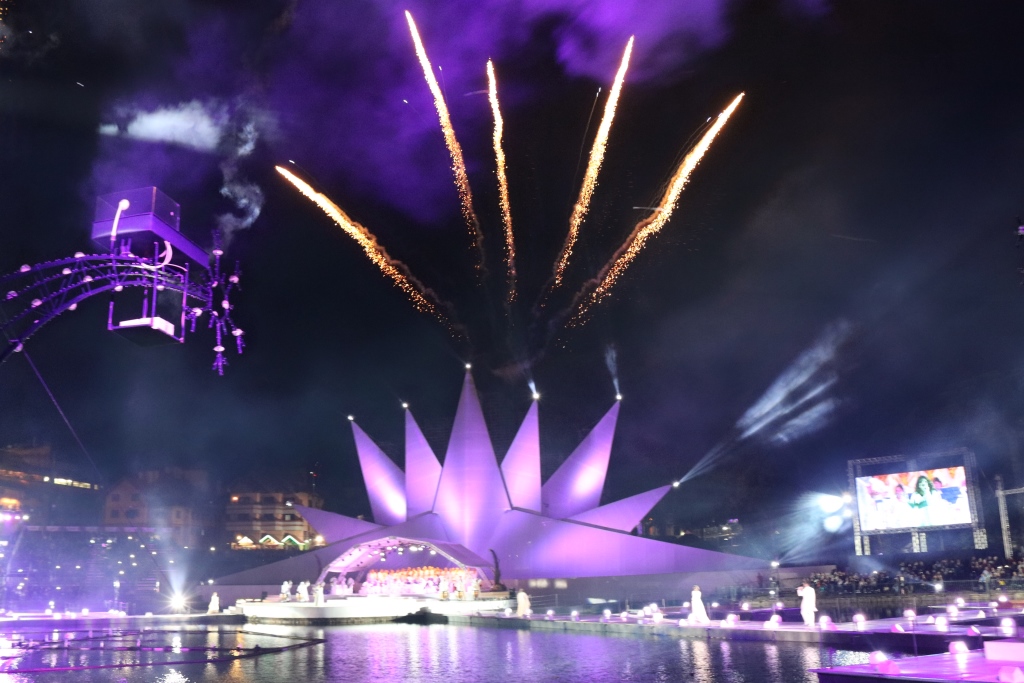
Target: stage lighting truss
pixel 37 294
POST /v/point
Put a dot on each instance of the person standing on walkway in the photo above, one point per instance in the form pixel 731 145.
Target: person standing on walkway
pixel 808 604
pixel 522 604
pixel 698 614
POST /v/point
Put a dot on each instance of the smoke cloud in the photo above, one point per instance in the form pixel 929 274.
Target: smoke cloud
pixel 193 125
pixel 207 127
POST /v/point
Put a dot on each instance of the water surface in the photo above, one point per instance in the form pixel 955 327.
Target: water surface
pixel 426 654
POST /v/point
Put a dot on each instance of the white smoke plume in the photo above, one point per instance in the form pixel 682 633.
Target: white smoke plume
pixel 611 361
pixel 247 195
pixel 194 125
pixel 212 127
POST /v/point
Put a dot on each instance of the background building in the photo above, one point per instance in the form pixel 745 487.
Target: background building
pixel 172 501
pixel 35 482
pixel 262 517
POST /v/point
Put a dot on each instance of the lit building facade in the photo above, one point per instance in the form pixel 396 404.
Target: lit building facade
pixel 267 519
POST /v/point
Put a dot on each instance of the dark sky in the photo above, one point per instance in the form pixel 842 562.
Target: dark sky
pixel 856 217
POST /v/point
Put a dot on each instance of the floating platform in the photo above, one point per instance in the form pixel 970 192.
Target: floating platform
pixel 968 666
pixel 359 609
pixel 912 636
pixel 78 620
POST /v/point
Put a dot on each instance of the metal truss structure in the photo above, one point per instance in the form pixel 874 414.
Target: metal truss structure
pixel 36 295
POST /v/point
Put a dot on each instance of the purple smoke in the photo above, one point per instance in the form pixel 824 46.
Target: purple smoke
pixel 343 94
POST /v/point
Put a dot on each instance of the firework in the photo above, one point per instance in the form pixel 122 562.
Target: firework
pixel 655 221
pixel 506 210
pixel 579 211
pixel 458 164
pixel 396 270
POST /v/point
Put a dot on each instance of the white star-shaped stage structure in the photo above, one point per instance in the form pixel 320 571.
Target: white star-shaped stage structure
pixel 470 507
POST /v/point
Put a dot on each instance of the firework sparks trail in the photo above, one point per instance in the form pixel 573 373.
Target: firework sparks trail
pixel 396 270
pixel 506 209
pixel 659 216
pixel 458 163
pixel 579 211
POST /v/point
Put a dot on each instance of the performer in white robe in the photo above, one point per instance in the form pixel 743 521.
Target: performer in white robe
pixel 286 591
pixel 302 592
pixel 808 603
pixel 522 603
pixel 318 595
pixel 698 614
pixel 214 607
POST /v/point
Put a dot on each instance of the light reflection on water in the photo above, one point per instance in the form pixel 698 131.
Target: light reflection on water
pixel 451 654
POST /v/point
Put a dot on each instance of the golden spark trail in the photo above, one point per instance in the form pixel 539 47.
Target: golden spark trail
pixel 506 209
pixel 659 216
pixel 579 211
pixel 458 164
pixel 376 253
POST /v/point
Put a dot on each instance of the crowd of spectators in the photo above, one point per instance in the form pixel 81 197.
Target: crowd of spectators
pixel 839 582
pixel 988 573
pixel 76 569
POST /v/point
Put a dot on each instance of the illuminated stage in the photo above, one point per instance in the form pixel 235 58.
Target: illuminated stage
pixel 472 513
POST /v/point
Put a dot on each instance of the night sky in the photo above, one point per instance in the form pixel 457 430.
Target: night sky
pixel 856 217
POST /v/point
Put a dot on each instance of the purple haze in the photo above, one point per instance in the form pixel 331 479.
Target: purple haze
pixel 329 81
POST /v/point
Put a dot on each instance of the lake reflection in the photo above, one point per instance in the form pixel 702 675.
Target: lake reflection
pixel 446 654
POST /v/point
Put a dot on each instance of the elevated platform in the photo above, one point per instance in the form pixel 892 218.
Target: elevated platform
pixel 359 609
pixel 868 636
pixel 970 666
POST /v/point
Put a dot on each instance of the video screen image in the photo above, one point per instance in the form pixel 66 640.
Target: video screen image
pixel 908 500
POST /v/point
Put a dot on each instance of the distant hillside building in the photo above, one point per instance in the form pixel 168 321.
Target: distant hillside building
pixel 265 518
pixel 172 502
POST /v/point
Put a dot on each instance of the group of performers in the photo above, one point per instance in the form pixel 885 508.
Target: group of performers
pixel 303 591
pixel 453 582
pixel 808 605
pixel 448 583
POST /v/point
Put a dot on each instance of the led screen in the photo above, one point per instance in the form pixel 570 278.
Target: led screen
pixel 910 500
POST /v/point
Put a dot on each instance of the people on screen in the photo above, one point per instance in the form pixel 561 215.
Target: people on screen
pixel 913 499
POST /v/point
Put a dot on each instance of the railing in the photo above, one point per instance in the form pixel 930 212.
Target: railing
pixel 733 596
pixel 892 587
